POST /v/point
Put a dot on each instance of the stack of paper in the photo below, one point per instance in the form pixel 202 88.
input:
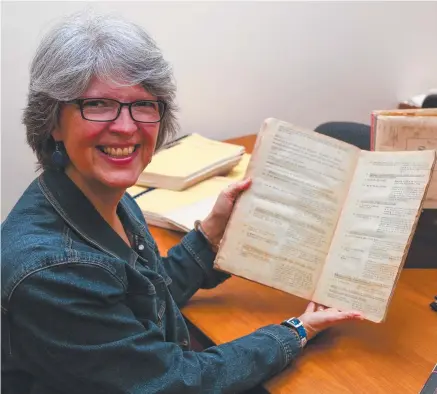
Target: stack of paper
pixel 239 171
pixel 135 190
pixel 407 130
pixel 177 210
pixel 189 161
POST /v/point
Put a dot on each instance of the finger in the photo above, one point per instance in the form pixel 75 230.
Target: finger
pixel 243 184
pixel 340 316
pixel 357 315
pixel 311 307
pixel 334 310
pixel 320 308
pixel 236 188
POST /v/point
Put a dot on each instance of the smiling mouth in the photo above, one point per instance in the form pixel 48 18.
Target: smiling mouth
pixel 118 152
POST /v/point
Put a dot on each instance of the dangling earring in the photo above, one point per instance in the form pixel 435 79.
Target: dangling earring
pixel 59 157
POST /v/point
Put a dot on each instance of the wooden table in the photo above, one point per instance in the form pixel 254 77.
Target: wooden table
pixel 396 356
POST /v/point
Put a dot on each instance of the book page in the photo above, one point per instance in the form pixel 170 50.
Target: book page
pixel 207 193
pixel 408 130
pixel 281 227
pixel 239 171
pixel 374 231
pixel 160 201
pixel 185 216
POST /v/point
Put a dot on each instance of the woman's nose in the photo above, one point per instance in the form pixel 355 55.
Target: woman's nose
pixel 124 123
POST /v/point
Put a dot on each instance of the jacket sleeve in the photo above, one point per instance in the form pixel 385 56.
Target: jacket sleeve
pixel 190 266
pixel 74 331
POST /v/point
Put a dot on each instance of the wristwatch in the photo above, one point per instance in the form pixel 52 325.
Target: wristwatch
pixel 295 324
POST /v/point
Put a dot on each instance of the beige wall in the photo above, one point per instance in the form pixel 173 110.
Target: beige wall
pixel 238 63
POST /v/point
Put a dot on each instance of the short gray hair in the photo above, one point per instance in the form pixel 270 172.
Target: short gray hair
pixel 84 46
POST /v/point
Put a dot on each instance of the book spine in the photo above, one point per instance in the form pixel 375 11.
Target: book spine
pixel 372 131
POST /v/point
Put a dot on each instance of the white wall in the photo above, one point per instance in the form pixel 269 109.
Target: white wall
pixel 238 63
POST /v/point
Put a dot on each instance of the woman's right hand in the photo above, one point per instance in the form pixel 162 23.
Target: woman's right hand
pixel 317 318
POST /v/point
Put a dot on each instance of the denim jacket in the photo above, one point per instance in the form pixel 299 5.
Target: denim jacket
pixel 82 312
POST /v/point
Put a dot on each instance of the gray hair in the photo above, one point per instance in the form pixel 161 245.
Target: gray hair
pixel 84 46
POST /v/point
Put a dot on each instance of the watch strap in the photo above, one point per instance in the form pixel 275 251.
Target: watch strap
pixel 295 324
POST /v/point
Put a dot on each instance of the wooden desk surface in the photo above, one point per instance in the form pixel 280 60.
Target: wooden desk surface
pixel 360 357
pixel 396 356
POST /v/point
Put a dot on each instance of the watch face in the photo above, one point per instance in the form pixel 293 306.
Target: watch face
pixel 294 322
pixel 297 324
pixel 297 327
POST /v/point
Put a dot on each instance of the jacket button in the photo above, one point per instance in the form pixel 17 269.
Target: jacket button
pixel 141 247
pixel 184 342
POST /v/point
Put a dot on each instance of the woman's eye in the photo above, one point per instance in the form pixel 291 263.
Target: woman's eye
pixel 143 104
pixel 96 103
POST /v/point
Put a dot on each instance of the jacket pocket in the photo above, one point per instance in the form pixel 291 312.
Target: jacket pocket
pixel 147 301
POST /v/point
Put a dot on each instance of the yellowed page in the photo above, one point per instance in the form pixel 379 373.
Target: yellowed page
pixel 160 201
pixel 281 228
pixel 374 231
pixel 409 130
pixel 193 154
pixel 135 190
pixel 184 217
pixel 239 171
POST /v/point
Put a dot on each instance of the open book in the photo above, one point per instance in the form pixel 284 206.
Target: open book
pixel 188 161
pixel 412 129
pixel 324 220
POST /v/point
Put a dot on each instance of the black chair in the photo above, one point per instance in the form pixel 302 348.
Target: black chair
pixel 357 134
pixel 430 101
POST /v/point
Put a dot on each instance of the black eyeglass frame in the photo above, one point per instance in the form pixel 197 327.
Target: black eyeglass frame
pixel 80 102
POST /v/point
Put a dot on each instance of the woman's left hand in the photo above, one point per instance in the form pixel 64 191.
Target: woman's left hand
pixel 318 317
pixel 215 223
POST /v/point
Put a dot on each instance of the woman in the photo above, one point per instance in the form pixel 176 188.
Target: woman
pixel 88 304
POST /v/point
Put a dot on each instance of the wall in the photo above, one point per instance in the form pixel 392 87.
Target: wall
pixel 238 63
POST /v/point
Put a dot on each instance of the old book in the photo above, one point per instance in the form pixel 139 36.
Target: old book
pixel 324 220
pixel 412 129
pixel 237 173
pixel 189 161
pixel 178 210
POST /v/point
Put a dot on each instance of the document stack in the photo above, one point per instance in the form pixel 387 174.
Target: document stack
pixel 407 130
pixel 189 161
pixel 184 179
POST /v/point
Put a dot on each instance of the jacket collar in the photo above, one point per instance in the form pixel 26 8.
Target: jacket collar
pixel 79 213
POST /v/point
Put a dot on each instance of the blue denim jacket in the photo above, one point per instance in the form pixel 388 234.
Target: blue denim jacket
pixel 82 312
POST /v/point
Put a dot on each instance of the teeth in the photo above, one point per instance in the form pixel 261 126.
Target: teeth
pixel 118 152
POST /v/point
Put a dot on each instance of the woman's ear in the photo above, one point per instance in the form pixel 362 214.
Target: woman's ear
pixel 56 134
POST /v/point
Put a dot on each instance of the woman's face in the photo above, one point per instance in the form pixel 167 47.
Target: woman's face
pixel 111 154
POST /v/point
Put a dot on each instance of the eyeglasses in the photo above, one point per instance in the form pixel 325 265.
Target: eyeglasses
pixel 107 110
